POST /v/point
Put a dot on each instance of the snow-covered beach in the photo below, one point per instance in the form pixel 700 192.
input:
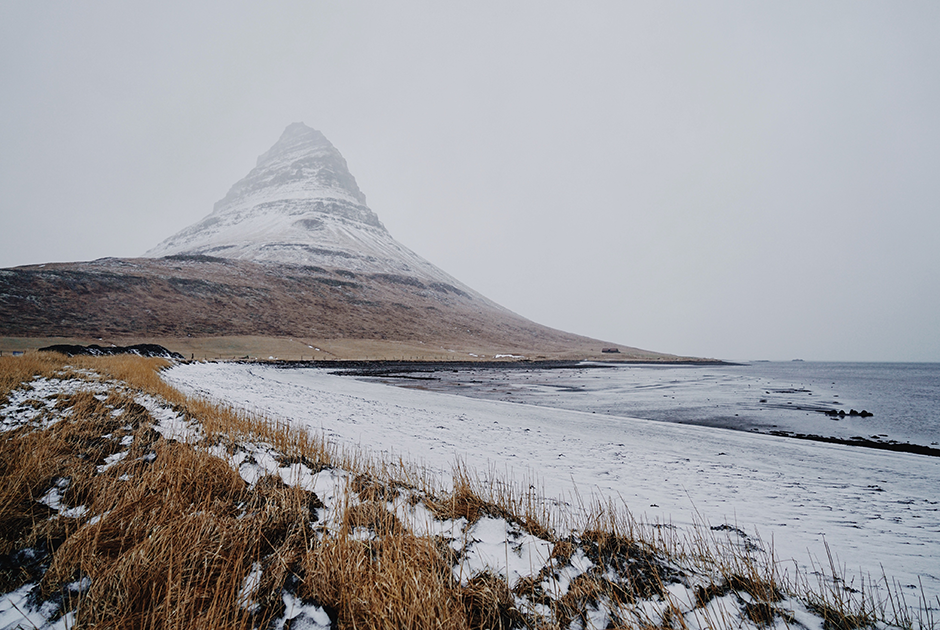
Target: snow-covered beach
pixel 879 512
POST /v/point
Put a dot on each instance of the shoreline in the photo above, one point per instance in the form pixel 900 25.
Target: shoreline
pixel 897 447
pixel 395 368
pixel 416 370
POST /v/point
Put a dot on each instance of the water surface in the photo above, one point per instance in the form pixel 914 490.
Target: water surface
pixel 768 397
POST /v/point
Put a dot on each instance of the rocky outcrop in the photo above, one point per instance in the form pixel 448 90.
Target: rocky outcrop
pixel 94 350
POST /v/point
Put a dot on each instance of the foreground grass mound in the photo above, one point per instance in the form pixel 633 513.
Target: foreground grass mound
pixel 125 504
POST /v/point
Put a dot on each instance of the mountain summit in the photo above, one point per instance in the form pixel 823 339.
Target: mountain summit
pixel 300 205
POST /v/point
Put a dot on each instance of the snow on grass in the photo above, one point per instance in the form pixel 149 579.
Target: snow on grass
pixel 302 616
pixel 53 498
pixel 18 611
pixel 169 423
pixel 877 511
pixel 34 403
pixel 111 460
pixel 588 579
pixel 559 581
pixel 248 592
pixel 423 522
pixel 504 549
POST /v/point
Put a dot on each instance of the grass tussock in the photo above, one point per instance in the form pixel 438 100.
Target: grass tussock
pixel 121 524
pixel 393 581
pixel 474 496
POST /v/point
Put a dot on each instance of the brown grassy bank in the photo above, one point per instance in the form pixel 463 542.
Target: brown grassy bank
pixel 344 349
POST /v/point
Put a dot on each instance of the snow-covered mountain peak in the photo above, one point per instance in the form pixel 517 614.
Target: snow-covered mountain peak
pixel 301 165
pixel 300 205
pixel 297 137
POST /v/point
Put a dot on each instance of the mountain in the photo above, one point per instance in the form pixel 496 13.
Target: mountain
pixel 291 254
pixel 300 205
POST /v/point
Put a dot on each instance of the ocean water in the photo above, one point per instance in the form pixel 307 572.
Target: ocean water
pixel 788 398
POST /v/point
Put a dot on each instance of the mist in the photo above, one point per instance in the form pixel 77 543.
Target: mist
pixel 737 180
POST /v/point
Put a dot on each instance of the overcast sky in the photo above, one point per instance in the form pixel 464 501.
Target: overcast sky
pixel 729 179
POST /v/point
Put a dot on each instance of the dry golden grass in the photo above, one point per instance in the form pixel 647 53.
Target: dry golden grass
pixel 395 581
pixel 16 370
pixel 168 550
pixel 474 496
pixel 351 348
pixel 171 531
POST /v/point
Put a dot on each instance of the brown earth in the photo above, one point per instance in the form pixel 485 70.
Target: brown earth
pixel 225 308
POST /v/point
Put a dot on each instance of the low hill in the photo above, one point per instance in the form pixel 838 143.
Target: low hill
pixel 222 306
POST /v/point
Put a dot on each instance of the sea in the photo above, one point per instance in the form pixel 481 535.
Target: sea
pixel 881 405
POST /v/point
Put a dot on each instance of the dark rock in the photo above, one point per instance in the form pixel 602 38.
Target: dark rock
pixel 94 350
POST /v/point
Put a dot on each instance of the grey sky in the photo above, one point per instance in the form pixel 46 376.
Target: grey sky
pixel 736 180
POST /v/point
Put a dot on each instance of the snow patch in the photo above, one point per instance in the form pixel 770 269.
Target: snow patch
pixel 496 545
pixel 246 596
pixel 300 616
